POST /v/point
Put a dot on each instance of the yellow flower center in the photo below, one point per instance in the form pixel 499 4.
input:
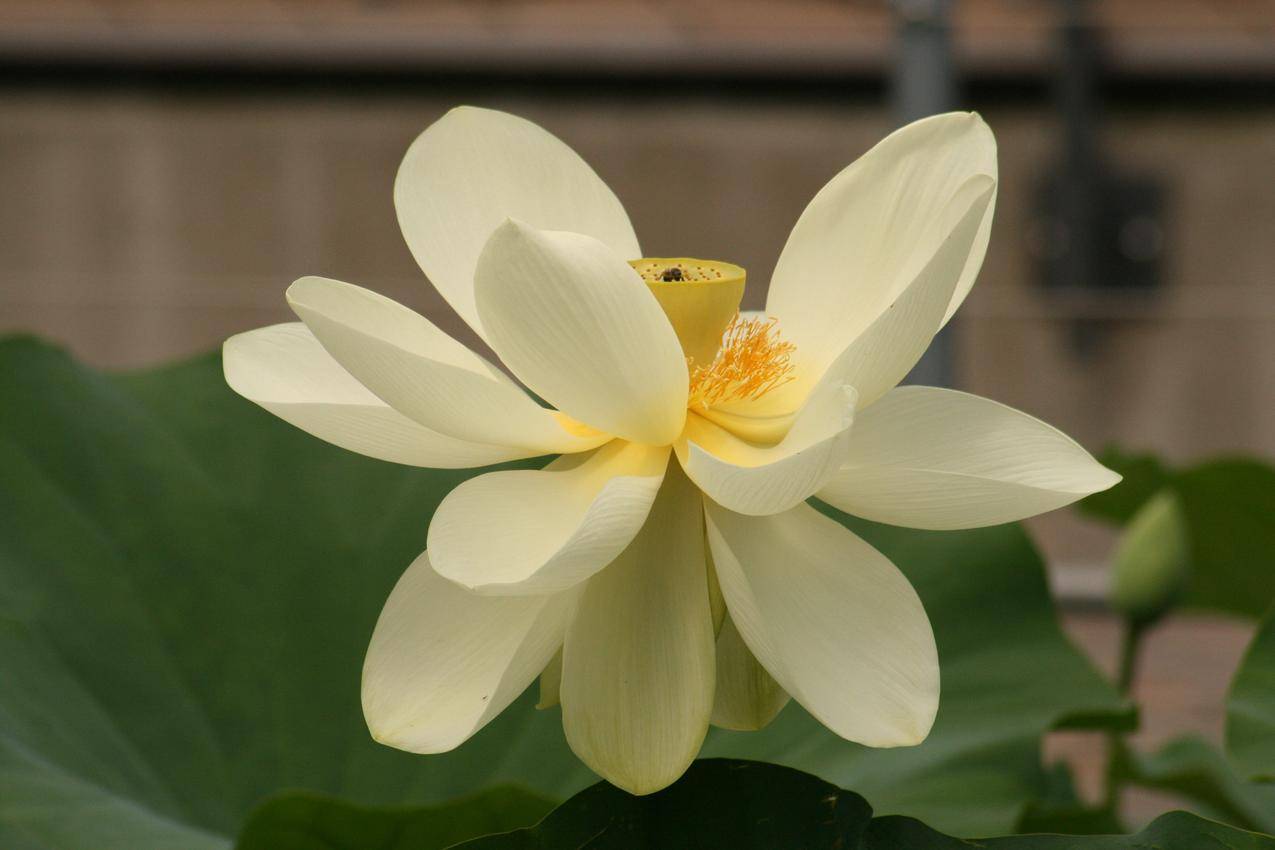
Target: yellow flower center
pixel 730 358
pixel 751 362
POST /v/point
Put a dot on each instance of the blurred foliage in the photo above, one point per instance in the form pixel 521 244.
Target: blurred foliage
pixel 1227 504
pixel 1062 810
pixel 1202 537
pixel 1250 709
pixel 1192 768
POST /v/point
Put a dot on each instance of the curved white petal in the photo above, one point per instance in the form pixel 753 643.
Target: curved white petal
pixel 576 324
pixel 637 666
pixel 443 661
pixel 284 369
pixel 759 480
pixel 747 697
pixel 474 168
pixel 540 531
pixel 836 624
pixel 423 373
pixel 872 228
pixel 877 359
pixel 933 458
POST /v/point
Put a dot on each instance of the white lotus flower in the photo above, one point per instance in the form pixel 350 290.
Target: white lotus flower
pixel 665 571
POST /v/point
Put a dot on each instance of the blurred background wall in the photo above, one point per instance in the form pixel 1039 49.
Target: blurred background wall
pixel 169 166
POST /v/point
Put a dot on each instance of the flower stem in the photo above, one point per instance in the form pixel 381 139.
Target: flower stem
pixel 1118 754
pixel 1130 641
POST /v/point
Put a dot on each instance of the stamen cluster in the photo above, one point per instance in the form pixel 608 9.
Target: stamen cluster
pixel 752 361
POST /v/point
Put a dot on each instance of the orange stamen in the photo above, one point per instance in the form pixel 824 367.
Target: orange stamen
pixel 752 361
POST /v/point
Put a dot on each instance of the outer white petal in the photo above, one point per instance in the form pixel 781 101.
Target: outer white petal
pixel 443 661
pixel 474 168
pixel 541 531
pixel 576 323
pixel 284 369
pixel 637 667
pixel 425 374
pixel 888 348
pixel 932 458
pixel 870 230
pixel 747 697
pixel 836 624
pixel 759 480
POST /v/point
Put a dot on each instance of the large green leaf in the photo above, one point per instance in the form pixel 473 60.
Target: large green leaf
pixel 751 806
pixel 1250 708
pixel 187 587
pixel 1230 514
pixel 1227 504
pixel 301 820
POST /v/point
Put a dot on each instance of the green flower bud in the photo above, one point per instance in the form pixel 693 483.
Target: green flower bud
pixel 1152 560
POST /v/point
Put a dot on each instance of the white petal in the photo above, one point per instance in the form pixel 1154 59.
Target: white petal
pixel 759 480
pixel 876 360
pixel 833 621
pixel 540 531
pixel 576 324
pixel 474 168
pixel 443 661
pixel 637 667
pixel 872 228
pixel 747 697
pixel 932 458
pixel 423 373
pixel 284 369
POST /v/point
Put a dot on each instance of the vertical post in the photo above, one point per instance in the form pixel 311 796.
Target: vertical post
pixel 924 83
pixel 1079 184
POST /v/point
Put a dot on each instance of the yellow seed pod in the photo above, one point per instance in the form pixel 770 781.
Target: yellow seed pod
pixel 700 298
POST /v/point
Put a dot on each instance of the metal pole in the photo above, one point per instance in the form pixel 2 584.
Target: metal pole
pixel 924 83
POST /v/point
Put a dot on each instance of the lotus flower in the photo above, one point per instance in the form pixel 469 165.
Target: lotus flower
pixel 665 571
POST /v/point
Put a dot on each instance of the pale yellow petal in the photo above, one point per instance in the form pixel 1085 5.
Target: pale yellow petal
pixel 832 620
pixel 578 326
pixel 473 169
pixel 284 369
pixel 747 697
pixel 883 354
pixel 443 661
pixel 872 228
pixel 755 479
pixel 637 667
pixel 933 458
pixel 540 531
pixel 424 374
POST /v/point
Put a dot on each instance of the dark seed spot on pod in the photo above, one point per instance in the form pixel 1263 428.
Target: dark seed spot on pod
pixel 671 273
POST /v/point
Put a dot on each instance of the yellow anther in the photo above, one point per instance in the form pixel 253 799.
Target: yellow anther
pixel 751 362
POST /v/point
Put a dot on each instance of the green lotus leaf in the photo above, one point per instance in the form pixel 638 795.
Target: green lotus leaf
pixel 750 806
pixel 1250 709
